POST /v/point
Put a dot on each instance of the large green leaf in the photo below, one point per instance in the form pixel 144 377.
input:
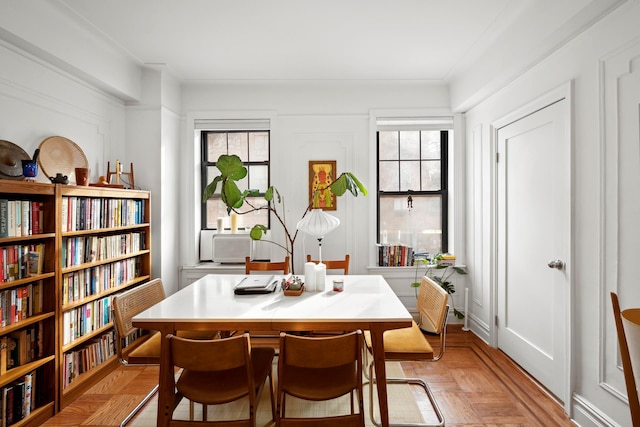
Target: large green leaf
pixel 210 189
pixel 347 181
pixel 231 194
pixel 257 231
pixel 231 167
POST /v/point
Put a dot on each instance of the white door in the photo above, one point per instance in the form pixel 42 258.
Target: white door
pixel 533 243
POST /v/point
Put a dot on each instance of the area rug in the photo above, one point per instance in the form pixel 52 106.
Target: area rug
pixel 402 406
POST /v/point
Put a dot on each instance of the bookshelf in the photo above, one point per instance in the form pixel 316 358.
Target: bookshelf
pixel 104 246
pixel 28 303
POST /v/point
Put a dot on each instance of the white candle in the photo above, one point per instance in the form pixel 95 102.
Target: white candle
pixel 321 275
pixel 234 222
pixel 310 277
pixel 220 224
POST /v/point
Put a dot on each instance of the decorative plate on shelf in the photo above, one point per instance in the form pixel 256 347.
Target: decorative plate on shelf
pixel 61 155
pixel 11 157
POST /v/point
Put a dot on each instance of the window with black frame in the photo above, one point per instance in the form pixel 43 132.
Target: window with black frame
pixel 412 188
pixel 252 146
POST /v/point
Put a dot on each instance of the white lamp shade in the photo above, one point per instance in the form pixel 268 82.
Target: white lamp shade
pixel 318 223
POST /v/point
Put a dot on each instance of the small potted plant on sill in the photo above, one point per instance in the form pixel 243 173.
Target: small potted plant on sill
pixel 440 269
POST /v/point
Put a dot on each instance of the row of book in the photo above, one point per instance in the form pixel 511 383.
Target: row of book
pixel 80 284
pixel 88 213
pixel 82 360
pixel 84 249
pixel 21 261
pixel 394 255
pixel 20 303
pixel 20 218
pixel 85 319
pixel 18 399
pixel 21 347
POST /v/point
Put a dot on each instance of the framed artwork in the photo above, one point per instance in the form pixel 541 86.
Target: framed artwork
pixel 321 175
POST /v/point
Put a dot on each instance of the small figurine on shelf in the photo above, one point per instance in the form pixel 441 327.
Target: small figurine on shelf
pixel 30 167
pixel 59 179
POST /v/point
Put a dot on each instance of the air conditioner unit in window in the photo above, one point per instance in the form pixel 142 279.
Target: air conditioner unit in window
pixel 225 248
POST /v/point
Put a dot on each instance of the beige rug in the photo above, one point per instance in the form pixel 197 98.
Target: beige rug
pixel 402 406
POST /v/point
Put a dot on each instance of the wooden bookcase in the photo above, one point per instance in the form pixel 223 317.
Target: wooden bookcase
pixel 75 247
pixel 28 301
pixel 104 247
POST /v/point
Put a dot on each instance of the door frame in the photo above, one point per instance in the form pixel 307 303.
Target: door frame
pixel 565 91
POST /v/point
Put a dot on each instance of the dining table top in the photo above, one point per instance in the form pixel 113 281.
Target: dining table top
pixel 365 299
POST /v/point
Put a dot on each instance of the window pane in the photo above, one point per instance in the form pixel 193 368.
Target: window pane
pixel 431 176
pixel 216 145
pixel 216 209
pixel 239 145
pixel 409 145
pixel 258 146
pixel 419 227
pixel 388 145
pixel 431 144
pixel 389 179
pixel 259 177
pixel 409 176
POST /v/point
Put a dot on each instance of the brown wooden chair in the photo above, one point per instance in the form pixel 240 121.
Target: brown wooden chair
pixel 411 344
pixel 250 266
pixel 145 350
pixel 320 368
pixel 632 316
pixel 220 371
pixel 340 264
pixel 265 338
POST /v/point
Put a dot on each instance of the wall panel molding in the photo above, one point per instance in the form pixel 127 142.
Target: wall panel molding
pixel 619 201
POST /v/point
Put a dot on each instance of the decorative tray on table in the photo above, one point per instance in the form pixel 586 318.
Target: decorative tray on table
pixel 293 286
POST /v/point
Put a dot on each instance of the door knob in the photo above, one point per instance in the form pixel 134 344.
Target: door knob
pixel 556 263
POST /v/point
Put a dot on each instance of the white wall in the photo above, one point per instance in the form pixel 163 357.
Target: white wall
pixel 39 101
pixel 310 121
pixel 602 63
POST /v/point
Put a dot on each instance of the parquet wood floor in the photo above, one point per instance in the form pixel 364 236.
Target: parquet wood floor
pixel 474 384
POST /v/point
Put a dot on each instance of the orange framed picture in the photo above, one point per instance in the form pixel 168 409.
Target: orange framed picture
pixel 321 175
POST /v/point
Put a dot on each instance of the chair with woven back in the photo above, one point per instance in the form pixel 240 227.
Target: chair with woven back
pixel 145 350
pixel 410 344
pixel 318 369
pixel 216 372
pixel 338 264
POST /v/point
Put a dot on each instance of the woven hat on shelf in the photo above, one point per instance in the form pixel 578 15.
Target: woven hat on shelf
pixel 11 157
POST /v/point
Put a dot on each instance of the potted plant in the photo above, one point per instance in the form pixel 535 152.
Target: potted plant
pixel 232 170
pixel 441 274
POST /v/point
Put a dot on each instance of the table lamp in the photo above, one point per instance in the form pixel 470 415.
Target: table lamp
pixel 318 223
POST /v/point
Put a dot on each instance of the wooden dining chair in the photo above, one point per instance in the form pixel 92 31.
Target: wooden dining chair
pixel 220 371
pixel 339 264
pixel 264 338
pixel 145 350
pixel 250 266
pixel 317 369
pixel 633 316
pixel 410 344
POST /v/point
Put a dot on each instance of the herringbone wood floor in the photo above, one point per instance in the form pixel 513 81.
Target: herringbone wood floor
pixel 474 385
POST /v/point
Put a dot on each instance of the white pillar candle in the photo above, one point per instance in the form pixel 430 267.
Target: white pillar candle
pixel 220 224
pixel 310 277
pixel 321 275
pixel 234 222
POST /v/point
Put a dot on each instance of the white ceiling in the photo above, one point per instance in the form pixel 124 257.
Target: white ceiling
pixel 328 39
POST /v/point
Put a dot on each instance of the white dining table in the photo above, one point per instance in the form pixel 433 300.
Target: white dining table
pixel 367 303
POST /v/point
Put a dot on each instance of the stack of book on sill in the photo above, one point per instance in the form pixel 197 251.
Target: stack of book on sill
pixel 394 255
